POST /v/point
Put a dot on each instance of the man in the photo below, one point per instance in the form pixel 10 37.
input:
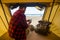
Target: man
pixel 18 24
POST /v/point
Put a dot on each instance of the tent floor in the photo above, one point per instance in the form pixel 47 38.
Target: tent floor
pixel 33 36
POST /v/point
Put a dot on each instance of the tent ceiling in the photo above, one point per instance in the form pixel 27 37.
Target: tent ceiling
pixel 45 2
pixel 25 1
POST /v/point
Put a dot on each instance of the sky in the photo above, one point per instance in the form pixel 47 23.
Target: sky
pixel 30 11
